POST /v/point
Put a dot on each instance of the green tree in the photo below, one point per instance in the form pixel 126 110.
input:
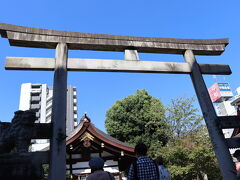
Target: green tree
pixel 139 117
pixel 191 156
pixel 183 116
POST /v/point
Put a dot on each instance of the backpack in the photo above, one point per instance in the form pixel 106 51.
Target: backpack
pixel 163 173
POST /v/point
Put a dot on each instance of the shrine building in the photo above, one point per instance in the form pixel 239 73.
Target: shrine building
pixel 87 141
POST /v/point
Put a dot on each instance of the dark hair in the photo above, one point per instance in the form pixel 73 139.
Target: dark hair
pixel 236 154
pixel 96 169
pixel 96 163
pixel 159 160
pixel 141 149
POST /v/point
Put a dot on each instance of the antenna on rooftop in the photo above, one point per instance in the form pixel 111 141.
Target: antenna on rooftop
pixel 224 78
pixel 215 78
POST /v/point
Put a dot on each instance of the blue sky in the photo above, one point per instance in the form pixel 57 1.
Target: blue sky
pixel 154 18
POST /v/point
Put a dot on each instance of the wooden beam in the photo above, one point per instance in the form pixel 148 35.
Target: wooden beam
pixel 24 63
pixel 127 66
pixel 74 160
pixel 105 166
pixel 217 69
pixel 44 38
pixel 233 142
pixel 70 160
pixel 104 65
pixel 227 122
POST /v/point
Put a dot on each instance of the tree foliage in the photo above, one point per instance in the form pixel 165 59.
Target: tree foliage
pixel 183 116
pixel 139 117
pixel 191 156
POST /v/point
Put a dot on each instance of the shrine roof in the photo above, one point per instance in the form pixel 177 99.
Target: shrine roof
pixel 86 126
pixel 111 138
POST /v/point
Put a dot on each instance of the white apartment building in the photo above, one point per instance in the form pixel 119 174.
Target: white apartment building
pixel 38 97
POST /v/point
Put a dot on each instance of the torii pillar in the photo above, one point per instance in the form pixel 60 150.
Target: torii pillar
pixel 58 140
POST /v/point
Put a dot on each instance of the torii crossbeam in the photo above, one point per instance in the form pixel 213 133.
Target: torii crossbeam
pixel 63 40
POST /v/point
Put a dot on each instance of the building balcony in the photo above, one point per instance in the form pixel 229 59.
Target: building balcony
pixel 36 91
pixel 49 106
pixel 48 113
pixel 48 119
pixel 35 98
pixel 75 108
pixel 75 101
pixel 75 116
pixel 35 106
pixel 74 93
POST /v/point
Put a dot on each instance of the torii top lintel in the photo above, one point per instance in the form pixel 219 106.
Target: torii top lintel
pixel 44 38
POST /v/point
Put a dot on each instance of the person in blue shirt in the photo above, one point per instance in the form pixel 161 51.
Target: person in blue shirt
pixel 144 168
pixel 163 172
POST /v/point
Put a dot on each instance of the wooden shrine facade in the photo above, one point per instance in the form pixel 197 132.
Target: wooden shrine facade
pixel 87 141
pixel 63 41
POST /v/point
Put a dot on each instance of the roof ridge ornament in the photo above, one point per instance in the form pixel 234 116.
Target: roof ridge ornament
pixel 85 118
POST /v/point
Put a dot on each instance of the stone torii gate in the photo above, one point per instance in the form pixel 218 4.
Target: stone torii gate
pixel 63 40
